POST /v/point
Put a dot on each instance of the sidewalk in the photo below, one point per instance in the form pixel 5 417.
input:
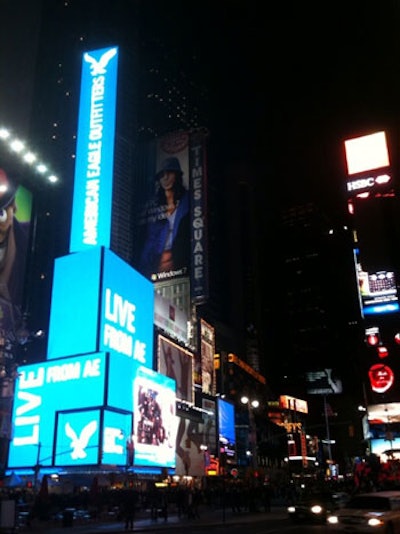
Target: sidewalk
pixel 208 516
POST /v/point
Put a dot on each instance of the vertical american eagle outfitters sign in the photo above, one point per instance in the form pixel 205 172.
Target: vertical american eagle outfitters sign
pixel 91 213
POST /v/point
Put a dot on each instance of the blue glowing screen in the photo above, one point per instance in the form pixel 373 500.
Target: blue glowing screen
pixel 100 303
pixel 92 202
pixel 226 427
pixel 43 389
pixel 83 411
pixel 75 301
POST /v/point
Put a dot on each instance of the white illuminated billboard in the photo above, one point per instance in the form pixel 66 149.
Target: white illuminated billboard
pixel 366 153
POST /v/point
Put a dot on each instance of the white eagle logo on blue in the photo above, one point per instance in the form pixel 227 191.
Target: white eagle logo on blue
pixel 79 443
pixel 98 67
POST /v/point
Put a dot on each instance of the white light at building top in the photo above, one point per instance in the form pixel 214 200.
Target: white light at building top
pixel 26 155
pixel 41 168
pixel 17 145
pixel 29 157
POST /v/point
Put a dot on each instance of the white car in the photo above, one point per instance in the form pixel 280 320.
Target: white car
pixel 369 512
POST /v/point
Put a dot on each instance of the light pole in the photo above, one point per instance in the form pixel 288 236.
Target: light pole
pixel 252 429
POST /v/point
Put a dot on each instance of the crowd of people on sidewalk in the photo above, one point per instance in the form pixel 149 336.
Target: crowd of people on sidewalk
pixel 125 505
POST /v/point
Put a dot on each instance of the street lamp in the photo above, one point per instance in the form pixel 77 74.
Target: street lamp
pixel 252 430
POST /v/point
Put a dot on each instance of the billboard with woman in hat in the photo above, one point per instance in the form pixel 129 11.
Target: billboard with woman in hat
pixel 166 220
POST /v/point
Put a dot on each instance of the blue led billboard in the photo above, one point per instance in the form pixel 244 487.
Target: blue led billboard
pixel 100 303
pixel 226 427
pixel 83 411
pixel 92 204
pixel 43 389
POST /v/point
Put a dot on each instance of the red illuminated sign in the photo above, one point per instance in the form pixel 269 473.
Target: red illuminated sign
pixel 381 377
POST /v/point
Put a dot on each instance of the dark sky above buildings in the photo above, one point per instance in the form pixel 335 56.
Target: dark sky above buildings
pixel 290 80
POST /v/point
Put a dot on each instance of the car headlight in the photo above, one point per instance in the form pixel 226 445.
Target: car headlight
pixel 375 522
pixel 291 509
pixel 333 519
pixel 316 509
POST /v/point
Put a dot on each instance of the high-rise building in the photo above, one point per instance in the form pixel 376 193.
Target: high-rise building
pixel 162 88
pixel 316 320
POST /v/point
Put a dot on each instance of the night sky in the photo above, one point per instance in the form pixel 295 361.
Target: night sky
pixel 290 80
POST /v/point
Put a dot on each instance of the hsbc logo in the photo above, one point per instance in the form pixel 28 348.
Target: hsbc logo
pixel 368 183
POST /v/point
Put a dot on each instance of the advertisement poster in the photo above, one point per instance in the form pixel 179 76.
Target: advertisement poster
pixel 155 421
pixel 207 343
pixel 177 363
pixel 164 221
pixel 15 224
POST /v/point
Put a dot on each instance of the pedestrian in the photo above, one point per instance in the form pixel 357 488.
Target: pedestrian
pixel 129 509
pixel 267 494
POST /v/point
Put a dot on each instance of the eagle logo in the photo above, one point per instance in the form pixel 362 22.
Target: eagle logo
pixel 79 443
pixel 99 67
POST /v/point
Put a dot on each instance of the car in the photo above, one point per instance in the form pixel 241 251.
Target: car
pixel 315 507
pixel 369 512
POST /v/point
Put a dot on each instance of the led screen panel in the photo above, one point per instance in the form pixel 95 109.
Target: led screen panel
pixel 99 302
pixel 78 438
pixel 127 318
pixel 323 382
pixel 92 437
pixel 92 201
pixel 377 291
pixel 43 389
pixel 366 153
pixel 73 327
pixel 226 428
pixel 380 446
pixel 117 432
pixel 383 414
pixel 121 374
pixel 177 363
pixel 155 420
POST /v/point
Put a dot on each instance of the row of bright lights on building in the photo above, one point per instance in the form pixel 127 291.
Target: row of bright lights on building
pixel 19 147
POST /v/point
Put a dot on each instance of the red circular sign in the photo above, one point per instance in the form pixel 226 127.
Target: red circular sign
pixel 381 377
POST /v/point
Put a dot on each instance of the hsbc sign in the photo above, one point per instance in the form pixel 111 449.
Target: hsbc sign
pixel 367 183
